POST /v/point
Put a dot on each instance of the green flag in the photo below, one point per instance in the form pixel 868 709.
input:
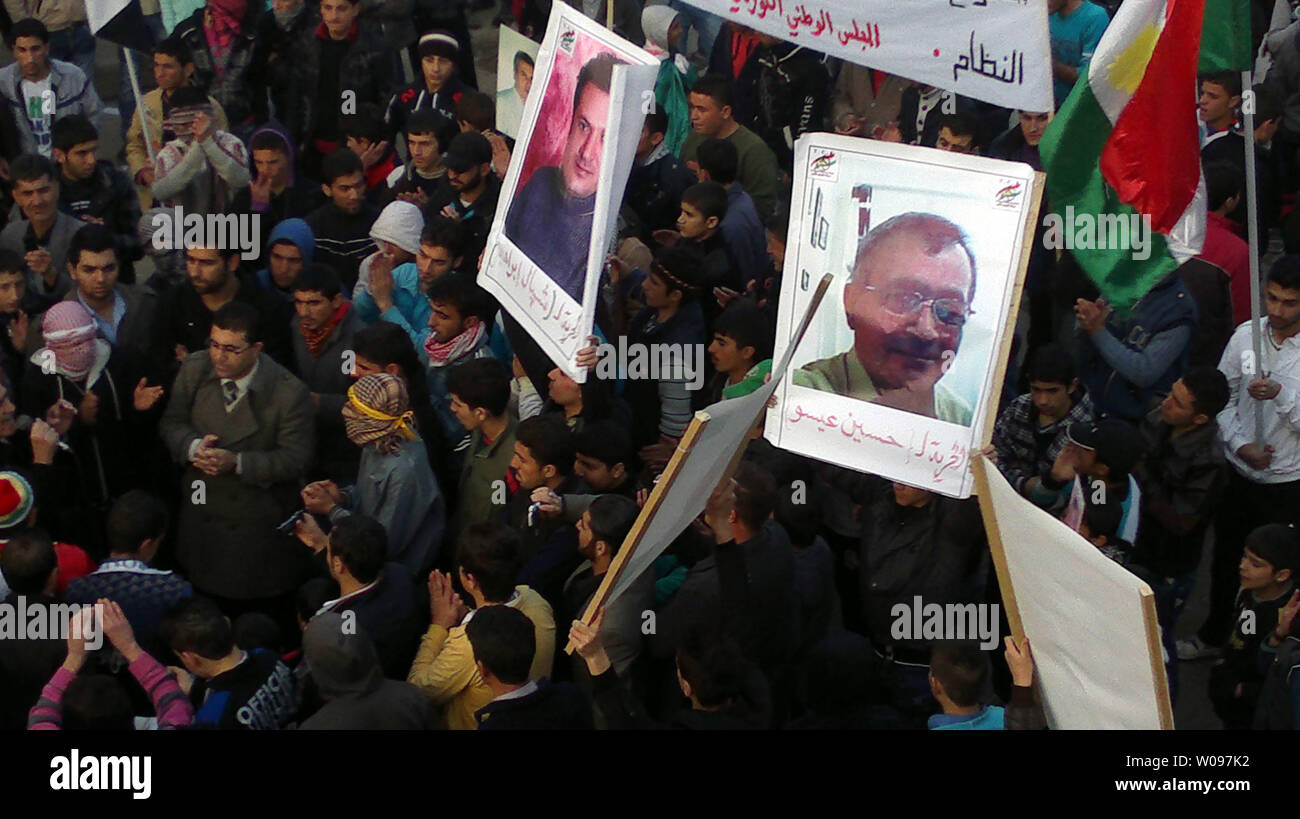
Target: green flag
pixel 1225 37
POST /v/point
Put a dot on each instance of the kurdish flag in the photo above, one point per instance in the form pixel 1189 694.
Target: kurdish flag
pixel 1225 43
pixel 1125 142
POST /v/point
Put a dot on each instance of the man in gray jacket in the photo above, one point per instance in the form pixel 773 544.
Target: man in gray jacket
pixel 241 427
pixel 39 89
pixel 42 236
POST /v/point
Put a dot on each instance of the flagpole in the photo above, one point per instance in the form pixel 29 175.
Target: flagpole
pixel 139 103
pixel 1252 235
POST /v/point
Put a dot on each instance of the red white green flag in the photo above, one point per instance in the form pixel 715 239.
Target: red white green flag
pixel 1123 151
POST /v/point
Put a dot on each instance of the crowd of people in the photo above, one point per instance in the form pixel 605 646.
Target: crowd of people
pixel 329 483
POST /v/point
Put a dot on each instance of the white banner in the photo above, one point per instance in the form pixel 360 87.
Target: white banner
pixel 993 50
pixel 555 217
pixel 897 374
pixel 1083 615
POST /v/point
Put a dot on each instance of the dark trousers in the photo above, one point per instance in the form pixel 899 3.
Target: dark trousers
pixel 1246 506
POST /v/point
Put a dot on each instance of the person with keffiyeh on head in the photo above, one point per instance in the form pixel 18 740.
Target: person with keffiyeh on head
pixel 395 484
pixel 203 168
pixel 78 386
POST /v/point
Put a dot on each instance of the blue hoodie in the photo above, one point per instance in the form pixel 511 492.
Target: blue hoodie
pixel 296 232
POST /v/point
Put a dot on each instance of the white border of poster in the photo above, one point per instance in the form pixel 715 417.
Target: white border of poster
pixel 998 51
pixel 555 320
pixel 509 44
pixel 844 188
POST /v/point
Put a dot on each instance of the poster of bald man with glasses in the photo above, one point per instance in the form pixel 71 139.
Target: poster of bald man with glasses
pixel 901 368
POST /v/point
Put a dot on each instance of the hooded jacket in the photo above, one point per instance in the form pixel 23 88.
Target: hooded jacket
pixel 299 197
pixel 346 671
pixel 298 233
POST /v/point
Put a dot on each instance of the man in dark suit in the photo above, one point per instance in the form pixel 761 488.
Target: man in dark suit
pixel 241 426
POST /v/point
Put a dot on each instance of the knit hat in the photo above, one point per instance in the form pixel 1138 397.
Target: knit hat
pixel 400 223
pixel 69 333
pixel 439 44
pixel 16 500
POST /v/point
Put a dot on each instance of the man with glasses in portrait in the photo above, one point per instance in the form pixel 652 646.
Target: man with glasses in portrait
pixel 241 427
pixel 907 300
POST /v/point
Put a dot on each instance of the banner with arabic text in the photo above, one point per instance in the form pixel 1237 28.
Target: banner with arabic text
pixel 993 50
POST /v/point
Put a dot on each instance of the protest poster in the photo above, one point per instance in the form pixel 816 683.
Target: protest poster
pixel 516 61
pixel 1091 623
pixel 554 221
pixel 900 370
pixel 992 50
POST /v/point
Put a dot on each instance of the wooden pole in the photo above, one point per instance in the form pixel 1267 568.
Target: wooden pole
pixel 979 465
pixel 1155 650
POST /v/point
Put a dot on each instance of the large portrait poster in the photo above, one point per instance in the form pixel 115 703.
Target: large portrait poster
pixel 899 372
pixel 516 62
pixel 561 193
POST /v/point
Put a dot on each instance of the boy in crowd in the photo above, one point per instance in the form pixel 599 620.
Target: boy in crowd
pixel 1269 563
pixel 459 319
pixel 1032 431
pixel 95 191
pixel 173 68
pixel 604 460
pixel 958 673
pixel 487 561
pixel 276 192
pixel 1182 477
pixel 741 353
pixel 342 225
pixel 420 178
pixel 480 397
pixel 405 303
pixel 363 134
pixel 231 688
pixel 436 90
pixel 504 646
pixel 704 206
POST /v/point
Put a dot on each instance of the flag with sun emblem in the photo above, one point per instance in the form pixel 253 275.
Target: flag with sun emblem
pixel 1123 149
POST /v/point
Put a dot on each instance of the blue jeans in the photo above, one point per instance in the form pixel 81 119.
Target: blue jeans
pixel 706 25
pixel 144 69
pixel 75 45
